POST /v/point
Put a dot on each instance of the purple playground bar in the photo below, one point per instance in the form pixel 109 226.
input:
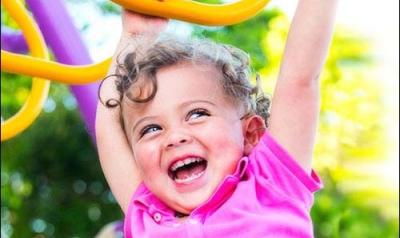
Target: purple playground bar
pixel 65 42
pixel 64 39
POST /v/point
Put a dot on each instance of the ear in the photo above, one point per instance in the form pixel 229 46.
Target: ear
pixel 253 129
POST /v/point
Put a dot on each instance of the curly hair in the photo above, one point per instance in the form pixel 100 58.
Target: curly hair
pixel 148 58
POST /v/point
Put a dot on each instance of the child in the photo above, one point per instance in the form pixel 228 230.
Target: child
pixel 185 148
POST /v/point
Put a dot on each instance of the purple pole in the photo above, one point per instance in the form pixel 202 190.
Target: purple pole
pixel 64 39
pixel 13 41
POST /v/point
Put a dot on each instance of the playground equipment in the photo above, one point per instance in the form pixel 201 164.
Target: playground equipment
pixel 40 87
pixel 195 12
pixel 37 65
pixel 26 65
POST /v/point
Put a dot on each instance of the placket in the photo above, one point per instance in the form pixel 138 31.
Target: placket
pixel 194 227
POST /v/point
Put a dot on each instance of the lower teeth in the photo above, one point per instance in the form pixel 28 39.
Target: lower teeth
pixel 189 179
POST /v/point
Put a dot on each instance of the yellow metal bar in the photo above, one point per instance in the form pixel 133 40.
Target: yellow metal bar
pixel 196 12
pixel 63 73
pixel 179 9
pixel 186 10
pixel 40 87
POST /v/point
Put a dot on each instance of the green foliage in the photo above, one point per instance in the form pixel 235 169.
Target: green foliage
pixel 108 7
pixel 52 184
pixel 335 215
pixel 248 35
pixel 352 126
pixel 51 178
pixel 13 93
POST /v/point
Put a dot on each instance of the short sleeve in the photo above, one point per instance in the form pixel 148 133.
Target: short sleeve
pixel 273 166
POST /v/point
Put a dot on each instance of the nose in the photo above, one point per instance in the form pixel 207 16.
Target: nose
pixel 177 138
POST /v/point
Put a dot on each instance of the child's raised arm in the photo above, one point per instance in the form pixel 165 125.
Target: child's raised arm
pixel 115 153
pixel 295 103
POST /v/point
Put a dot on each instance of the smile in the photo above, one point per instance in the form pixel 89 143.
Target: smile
pixel 187 170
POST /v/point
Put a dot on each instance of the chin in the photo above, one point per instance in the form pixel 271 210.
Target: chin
pixel 188 202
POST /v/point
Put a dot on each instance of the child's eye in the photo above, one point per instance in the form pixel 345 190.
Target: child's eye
pixel 196 113
pixel 149 129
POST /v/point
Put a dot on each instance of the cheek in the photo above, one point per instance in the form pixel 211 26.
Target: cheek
pixel 227 144
pixel 234 136
pixel 146 155
pixel 224 138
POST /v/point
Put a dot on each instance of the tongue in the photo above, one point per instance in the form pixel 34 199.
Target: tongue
pixel 190 171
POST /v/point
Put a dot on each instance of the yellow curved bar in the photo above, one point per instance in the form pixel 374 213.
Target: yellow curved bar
pixel 70 74
pixel 40 87
pixel 186 10
pixel 195 12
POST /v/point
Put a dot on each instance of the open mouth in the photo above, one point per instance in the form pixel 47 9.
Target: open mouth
pixel 187 170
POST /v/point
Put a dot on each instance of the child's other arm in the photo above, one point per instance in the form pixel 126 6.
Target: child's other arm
pixel 295 103
pixel 115 153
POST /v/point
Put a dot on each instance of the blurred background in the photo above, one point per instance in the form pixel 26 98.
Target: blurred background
pixel 51 181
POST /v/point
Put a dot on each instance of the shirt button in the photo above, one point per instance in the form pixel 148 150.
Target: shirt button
pixel 157 217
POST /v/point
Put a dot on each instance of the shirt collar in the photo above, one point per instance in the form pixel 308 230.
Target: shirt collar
pixel 147 201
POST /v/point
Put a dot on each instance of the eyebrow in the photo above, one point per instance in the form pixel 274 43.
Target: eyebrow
pixel 185 104
pixel 140 121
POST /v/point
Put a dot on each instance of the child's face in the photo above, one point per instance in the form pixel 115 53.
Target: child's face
pixel 190 121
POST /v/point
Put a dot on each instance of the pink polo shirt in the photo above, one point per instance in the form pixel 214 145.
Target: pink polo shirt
pixel 269 195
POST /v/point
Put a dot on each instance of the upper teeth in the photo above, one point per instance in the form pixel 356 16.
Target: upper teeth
pixel 184 162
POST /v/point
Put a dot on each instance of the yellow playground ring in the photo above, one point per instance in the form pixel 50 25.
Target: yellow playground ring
pixel 39 66
pixel 40 87
pixel 196 12
pixel 63 73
